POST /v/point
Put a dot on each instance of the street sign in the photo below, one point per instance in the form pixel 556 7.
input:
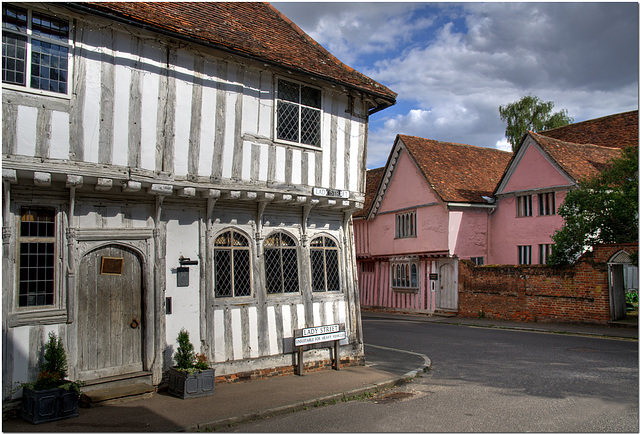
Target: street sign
pixel 314 335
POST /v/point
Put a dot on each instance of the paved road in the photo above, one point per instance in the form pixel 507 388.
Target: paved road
pixel 485 380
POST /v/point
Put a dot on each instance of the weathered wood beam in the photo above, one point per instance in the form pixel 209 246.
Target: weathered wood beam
pixel 132 186
pixel 42 179
pixel 104 184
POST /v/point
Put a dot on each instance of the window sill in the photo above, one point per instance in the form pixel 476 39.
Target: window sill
pixel 40 317
pixel 406 290
pixel 38 92
pixel 298 145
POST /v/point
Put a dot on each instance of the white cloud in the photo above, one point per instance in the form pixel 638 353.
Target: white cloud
pixel 453 65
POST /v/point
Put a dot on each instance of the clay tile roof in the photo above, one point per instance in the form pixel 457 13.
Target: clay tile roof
pixel 374 176
pixel 255 30
pixel 457 172
pixel 614 131
pixel 580 161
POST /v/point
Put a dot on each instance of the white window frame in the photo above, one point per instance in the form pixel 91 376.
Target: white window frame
pixel 544 252
pixel 275 115
pixel 547 203
pixel 232 249
pixel 280 249
pixel 324 248
pixel 524 255
pixel 30 37
pixel 405 275
pixel 477 260
pixel 406 225
pixel 524 206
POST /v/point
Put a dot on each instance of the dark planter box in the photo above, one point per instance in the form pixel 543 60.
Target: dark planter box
pixel 40 406
pixel 185 385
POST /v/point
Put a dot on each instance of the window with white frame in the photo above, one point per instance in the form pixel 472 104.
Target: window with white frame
pixel 35 50
pixel 298 113
pixel 406 224
pixel 547 203
pixel 281 264
pixel 404 275
pixel 232 265
pixel 37 241
pixel 524 206
pixel 524 255
pixel 478 260
pixel 325 267
pixel 544 252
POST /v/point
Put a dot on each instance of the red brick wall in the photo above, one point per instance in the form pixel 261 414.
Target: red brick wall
pixel 538 293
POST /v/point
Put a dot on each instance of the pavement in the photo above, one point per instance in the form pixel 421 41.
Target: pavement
pixel 235 403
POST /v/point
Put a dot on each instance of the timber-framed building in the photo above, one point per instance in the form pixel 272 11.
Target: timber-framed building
pixel 176 165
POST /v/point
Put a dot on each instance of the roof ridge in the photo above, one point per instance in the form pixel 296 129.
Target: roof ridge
pixel 456 144
pixel 324 51
pixel 571 143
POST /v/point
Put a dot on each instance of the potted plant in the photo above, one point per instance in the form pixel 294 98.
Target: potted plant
pixel 191 377
pixel 51 396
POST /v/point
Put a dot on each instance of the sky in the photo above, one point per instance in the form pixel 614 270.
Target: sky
pixel 454 64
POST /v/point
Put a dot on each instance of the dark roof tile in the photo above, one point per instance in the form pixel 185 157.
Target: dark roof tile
pixel 614 131
pixel 457 172
pixel 254 29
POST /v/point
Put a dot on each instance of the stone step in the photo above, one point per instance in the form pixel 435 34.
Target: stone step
pixel 94 397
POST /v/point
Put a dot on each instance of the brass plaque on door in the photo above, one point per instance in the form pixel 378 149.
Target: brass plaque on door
pixel 111 266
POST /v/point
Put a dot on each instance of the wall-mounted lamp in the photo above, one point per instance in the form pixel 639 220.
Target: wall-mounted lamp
pixel 183 272
pixel 186 261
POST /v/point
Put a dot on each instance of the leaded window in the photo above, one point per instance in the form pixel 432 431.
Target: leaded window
pixel 35 50
pixel 524 206
pixel 547 203
pixel 524 255
pixel 37 257
pixel 298 113
pixel 404 275
pixel 325 274
pixel 232 265
pixel 406 224
pixel 281 264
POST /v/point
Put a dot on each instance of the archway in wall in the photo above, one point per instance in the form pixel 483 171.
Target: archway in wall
pixel 623 279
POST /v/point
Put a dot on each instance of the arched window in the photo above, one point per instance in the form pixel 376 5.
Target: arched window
pixel 325 268
pixel 281 264
pixel 232 264
pixel 404 275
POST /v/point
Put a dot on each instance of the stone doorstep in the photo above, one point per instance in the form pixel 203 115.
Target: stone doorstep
pixel 101 396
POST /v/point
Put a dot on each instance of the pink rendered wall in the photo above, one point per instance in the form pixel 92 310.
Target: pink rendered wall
pixel 407 189
pixel 534 171
pixel 468 233
pixel 508 231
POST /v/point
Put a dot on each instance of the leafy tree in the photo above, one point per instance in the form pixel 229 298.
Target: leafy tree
pixel 603 209
pixel 530 113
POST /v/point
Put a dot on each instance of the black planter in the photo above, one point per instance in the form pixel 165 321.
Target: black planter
pixel 185 385
pixel 40 406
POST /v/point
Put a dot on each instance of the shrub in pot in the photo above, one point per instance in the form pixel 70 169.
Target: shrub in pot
pixel 51 397
pixel 191 377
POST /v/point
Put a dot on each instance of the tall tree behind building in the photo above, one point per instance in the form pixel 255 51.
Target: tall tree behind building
pixel 530 113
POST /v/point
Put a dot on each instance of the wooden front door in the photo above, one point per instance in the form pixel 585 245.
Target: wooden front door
pixel 447 297
pixel 110 315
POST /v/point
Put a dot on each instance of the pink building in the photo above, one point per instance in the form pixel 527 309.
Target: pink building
pixel 423 211
pixel 434 203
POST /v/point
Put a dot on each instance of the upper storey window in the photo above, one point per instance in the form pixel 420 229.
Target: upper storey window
pixel 35 50
pixel 298 117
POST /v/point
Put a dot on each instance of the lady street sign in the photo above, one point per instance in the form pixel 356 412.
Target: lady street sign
pixel 314 335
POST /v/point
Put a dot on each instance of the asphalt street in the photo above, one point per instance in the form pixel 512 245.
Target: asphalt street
pixel 485 380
